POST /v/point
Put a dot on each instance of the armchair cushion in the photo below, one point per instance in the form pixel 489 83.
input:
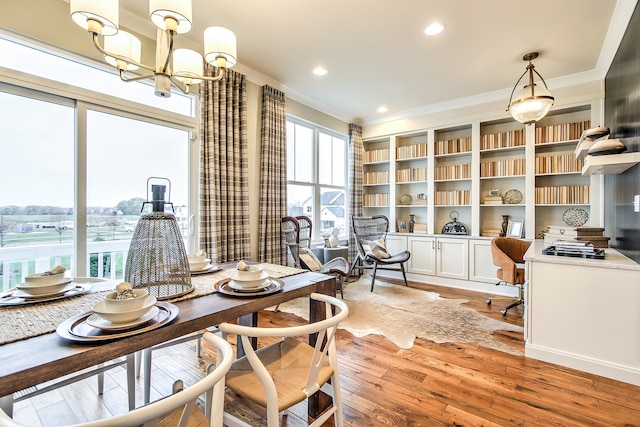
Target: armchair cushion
pixel 376 248
pixel 309 260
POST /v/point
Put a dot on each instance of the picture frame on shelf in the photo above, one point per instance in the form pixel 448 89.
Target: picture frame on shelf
pixel 402 226
pixel 515 228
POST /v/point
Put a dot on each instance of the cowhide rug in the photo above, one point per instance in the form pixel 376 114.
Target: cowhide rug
pixel 401 314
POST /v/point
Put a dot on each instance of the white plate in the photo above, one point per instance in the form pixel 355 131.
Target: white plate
pixel 100 322
pixel 42 291
pixel 241 286
pixel 205 268
pixel 16 297
pixel 234 276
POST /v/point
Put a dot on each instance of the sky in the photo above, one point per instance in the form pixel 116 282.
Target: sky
pixel 37 140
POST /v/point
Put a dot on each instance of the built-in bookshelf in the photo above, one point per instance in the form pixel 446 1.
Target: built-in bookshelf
pixel 376 176
pixel 484 171
pixel 559 183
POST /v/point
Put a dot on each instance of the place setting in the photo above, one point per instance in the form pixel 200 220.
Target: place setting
pixel 42 287
pixel 121 313
pixel 200 264
pixel 249 281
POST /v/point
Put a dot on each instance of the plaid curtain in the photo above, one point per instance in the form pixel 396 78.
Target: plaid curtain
pixel 356 153
pixel 273 176
pixel 224 195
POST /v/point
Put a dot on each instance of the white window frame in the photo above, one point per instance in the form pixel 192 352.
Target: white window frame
pixel 20 83
pixel 314 183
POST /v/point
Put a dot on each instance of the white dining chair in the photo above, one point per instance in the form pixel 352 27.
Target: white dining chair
pixel 178 409
pixel 287 372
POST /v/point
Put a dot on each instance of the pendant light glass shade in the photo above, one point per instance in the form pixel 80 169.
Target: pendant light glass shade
pixel 157 260
pixel 534 101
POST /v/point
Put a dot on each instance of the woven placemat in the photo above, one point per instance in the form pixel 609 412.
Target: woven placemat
pixel 26 321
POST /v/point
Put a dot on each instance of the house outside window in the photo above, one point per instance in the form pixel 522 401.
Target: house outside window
pixel 316 176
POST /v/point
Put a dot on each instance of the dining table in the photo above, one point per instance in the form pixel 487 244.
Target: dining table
pixel 48 356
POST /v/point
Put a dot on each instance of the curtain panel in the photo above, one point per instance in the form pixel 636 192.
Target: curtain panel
pixel 354 196
pixel 273 176
pixel 224 181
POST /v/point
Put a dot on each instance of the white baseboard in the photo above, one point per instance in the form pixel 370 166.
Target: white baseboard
pixel 627 374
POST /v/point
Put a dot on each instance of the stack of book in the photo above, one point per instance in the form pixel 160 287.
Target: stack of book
pixel 573 248
pixel 592 235
pixel 420 202
pixel 491 232
pixel 420 228
pixel 493 200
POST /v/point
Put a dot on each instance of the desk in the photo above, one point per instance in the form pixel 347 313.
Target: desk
pixel 584 313
pixel 43 358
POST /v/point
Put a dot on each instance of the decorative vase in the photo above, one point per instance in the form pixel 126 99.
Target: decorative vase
pixel 505 224
pixel 412 222
pixel 333 241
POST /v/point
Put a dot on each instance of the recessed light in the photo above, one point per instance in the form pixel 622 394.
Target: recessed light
pixel 320 71
pixel 382 109
pixel 434 29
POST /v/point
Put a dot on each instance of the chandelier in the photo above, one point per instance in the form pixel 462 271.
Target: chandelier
pixel 533 102
pixel 180 67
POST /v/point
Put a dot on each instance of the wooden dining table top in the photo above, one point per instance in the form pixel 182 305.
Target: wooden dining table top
pixel 35 360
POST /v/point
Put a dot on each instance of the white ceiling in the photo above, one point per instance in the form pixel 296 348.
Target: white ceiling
pixel 376 52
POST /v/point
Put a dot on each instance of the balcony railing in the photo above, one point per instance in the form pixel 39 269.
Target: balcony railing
pixel 19 262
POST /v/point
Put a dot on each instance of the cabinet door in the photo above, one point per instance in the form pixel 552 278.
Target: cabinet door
pixel 423 255
pixel 396 244
pixel 453 258
pixel 481 268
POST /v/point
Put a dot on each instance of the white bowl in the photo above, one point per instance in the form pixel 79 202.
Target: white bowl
pixel 116 314
pixel 34 288
pixel 197 258
pixel 126 304
pixel 195 266
pixel 44 279
pixel 254 272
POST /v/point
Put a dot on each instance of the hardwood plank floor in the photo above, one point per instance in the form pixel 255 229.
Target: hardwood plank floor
pixel 430 384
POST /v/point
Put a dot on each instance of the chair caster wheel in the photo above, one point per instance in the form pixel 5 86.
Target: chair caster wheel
pixel 504 312
pixel 488 302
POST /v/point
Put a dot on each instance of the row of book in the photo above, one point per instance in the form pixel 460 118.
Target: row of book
pixel 563 194
pixel 572 237
pixel 381 177
pixel 461 171
pixel 558 163
pixel 452 146
pixel 514 138
pixel 373 156
pixel 511 167
pixel 563 132
pixel 411 151
pixel 375 199
pixel 454 197
pixel 411 175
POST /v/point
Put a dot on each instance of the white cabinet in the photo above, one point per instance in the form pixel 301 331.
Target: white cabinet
pixel 452 258
pixel 481 267
pixel 423 255
pixel 396 243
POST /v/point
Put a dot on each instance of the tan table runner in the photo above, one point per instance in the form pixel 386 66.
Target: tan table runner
pixel 26 321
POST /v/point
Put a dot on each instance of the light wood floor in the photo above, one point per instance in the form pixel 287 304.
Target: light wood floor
pixel 427 385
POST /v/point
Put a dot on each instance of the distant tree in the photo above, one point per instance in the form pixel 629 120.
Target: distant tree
pixel 131 206
pixel 4 229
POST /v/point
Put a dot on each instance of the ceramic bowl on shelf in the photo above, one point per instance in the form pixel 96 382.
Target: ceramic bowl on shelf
pixel 114 304
pixel 117 313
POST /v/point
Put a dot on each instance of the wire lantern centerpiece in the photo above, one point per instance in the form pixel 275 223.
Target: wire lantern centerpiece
pixel 157 259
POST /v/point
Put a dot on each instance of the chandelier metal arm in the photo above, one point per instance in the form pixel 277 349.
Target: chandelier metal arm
pixel 515 86
pixel 543 82
pixel 133 79
pixel 118 57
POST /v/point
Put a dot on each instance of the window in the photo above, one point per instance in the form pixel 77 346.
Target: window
pixel 316 174
pixel 76 163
